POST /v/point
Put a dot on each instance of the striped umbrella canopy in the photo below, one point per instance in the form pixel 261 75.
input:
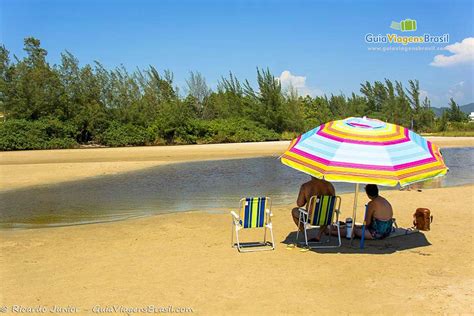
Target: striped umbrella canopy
pixel 363 150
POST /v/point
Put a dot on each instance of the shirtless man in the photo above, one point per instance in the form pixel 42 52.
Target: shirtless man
pixel 313 187
pixel 379 217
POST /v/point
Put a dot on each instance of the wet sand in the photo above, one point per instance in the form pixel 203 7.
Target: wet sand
pixel 185 260
pixel 21 169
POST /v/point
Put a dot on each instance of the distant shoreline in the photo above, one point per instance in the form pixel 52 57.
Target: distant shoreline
pixel 20 169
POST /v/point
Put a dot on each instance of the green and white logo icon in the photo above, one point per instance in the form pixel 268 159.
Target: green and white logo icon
pixel 407 25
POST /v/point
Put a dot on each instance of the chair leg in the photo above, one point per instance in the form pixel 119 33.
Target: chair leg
pixel 305 236
pixel 329 228
pixel 339 233
pixel 298 228
pixel 264 247
pixel 271 234
pixel 232 236
pixel 237 238
pixel 265 236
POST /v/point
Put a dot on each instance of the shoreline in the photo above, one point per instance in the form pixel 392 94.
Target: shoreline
pixel 22 169
pixel 31 168
pixel 171 152
pixel 360 209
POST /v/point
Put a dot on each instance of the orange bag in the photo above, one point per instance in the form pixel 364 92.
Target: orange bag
pixel 422 219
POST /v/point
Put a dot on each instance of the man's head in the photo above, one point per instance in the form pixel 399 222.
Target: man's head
pixel 372 191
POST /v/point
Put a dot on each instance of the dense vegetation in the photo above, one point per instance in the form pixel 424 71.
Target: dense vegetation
pixel 62 106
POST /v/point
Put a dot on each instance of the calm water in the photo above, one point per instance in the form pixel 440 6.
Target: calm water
pixel 213 186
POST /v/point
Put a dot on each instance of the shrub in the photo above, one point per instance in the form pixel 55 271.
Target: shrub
pixel 234 131
pixel 461 126
pixel 42 134
pixel 117 135
pixel 61 143
pixel 289 135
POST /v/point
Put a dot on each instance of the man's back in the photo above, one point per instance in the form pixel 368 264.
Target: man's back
pixel 382 208
pixel 314 187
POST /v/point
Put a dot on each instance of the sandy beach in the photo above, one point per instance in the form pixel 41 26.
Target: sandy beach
pixel 185 260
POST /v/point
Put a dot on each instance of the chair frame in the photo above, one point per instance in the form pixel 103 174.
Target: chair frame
pixel 253 246
pixel 304 218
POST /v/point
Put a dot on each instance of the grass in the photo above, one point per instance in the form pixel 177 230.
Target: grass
pixel 452 134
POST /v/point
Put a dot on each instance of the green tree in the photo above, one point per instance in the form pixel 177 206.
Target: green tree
pixel 6 70
pixel 199 91
pixel 367 90
pixel 35 88
pixel 269 104
pixel 316 111
pixel 414 97
pixel 338 106
pixel 454 113
pixel 174 123
pixel 397 106
pixel 356 105
pixel 426 116
pixel 61 104
pixel 229 100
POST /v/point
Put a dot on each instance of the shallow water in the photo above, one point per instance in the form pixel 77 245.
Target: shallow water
pixel 210 185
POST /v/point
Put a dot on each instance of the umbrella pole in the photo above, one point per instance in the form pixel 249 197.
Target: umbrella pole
pixel 354 211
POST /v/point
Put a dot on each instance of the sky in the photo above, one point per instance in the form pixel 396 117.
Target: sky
pixel 318 47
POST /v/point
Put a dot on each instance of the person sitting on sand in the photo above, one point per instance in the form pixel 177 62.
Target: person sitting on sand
pixel 379 217
pixel 313 187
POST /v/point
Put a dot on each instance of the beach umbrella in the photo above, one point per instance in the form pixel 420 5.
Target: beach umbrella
pixel 363 150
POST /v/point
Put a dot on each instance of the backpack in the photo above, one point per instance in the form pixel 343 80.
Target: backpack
pixel 422 219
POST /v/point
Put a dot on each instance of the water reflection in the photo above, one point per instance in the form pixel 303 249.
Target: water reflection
pixel 212 185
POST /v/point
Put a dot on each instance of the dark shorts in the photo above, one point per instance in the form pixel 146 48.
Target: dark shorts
pixel 380 229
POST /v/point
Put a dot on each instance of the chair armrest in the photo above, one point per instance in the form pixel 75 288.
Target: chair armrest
pixel 235 216
pixel 302 210
pixel 269 212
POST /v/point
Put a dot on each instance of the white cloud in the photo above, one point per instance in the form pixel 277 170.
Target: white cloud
pixel 288 80
pixel 461 91
pixel 456 92
pixel 462 53
pixel 424 94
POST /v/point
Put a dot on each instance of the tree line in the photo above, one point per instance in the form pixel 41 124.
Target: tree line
pixel 62 106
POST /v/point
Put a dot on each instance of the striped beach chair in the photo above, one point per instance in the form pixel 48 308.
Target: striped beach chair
pixel 255 212
pixel 321 211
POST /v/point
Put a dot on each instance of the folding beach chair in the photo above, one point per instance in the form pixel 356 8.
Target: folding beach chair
pixel 321 210
pixel 255 212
